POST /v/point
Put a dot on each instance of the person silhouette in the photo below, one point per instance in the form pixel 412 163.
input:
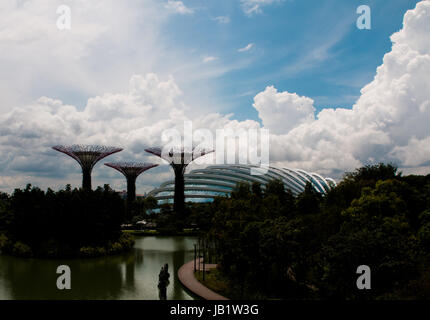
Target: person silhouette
pixel 163 282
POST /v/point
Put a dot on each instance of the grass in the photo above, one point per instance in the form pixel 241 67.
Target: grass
pixel 220 284
pixel 215 281
pixel 185 232
pixel 141 232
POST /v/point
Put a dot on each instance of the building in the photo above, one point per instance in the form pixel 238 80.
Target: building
pixel 123 195
pixel 205 184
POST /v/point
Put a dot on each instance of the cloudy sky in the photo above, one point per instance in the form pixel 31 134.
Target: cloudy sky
pixel 332 96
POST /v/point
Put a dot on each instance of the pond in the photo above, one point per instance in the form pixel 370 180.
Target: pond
pixel 133 275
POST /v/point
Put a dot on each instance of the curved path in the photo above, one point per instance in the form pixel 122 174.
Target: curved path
pixel 187 278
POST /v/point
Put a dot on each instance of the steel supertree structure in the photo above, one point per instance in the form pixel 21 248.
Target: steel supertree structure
pixel 179 158
pixel 131 170
pixel 87 156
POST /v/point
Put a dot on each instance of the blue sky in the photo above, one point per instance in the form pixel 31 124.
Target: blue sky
pixel 284 36
pixel 127 71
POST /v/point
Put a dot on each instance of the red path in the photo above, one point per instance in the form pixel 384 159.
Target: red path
pixel 186 276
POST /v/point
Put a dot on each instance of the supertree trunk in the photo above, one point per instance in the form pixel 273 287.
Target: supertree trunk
pixel 131 189
pixel 131 170
pixel 179 158
pixel 179 197
pixel 131 195
pixel 86 179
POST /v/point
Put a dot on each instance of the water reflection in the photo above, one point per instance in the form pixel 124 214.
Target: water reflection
pixel 128 276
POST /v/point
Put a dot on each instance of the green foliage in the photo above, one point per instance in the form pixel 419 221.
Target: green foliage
pixel 4 242
pixel 351 186
pixel 142 207
pixel 274 245
pixel 59 224
pixel 21 249
pixel 424 236
pixel 200 215
pixel 5 212
pixel 89 252
pixel 125 242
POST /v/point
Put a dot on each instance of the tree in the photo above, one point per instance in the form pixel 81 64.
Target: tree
pixel 5 213
pixel 308 202
pixel 60 223
pixel 376 232
pixel 276 245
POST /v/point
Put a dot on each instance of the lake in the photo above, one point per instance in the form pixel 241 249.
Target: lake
pixel 133 275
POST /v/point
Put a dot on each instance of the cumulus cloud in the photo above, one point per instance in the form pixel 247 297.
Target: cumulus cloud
pixel 389 122
pixel 123 118
pixel 36 57
pixel 177 7
pixel 134 120
pixel 282 111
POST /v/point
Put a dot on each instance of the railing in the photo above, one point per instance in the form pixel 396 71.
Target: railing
pixel 206 251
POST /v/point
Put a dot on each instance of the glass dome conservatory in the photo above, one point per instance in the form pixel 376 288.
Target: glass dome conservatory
pixel 219 180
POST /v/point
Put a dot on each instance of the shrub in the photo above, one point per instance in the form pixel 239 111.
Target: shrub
pixel 115 248
pixel 22 250
pixel 125 242
pixel 424 236
pixel 4 242
pixel 87 252
pixel 100 251
pixel 49 248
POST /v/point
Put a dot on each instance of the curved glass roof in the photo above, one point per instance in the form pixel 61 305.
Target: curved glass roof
pixel 213 181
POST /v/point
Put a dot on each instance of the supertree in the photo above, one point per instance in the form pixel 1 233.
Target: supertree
pixel 179 158
pixel 131 170
pixel 87 156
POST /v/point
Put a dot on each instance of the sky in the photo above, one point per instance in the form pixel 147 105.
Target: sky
pixel 333 97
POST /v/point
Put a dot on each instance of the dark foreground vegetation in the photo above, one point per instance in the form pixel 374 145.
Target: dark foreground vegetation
pixel 67 223
pixel 269 244
pixel 274 245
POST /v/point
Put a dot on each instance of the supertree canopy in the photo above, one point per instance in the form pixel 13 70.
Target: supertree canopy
pixel 179 158
pixel 87 156
pixel 131 170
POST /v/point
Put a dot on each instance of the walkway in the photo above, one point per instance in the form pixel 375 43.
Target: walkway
pixel 187 278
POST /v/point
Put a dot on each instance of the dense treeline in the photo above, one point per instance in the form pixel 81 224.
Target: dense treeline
pixel 275 245
pixel 270 243
pixel 62 224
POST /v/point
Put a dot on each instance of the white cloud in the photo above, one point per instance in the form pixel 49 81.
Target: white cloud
pixel 37 57
pixel 415 153
pixel 389 122
pixel 209 59
pixel 134 119
pixel 283 111
pixel 252 7
pixel 99 54
pixel 177 7
pixel 246 48
pixel 222 19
